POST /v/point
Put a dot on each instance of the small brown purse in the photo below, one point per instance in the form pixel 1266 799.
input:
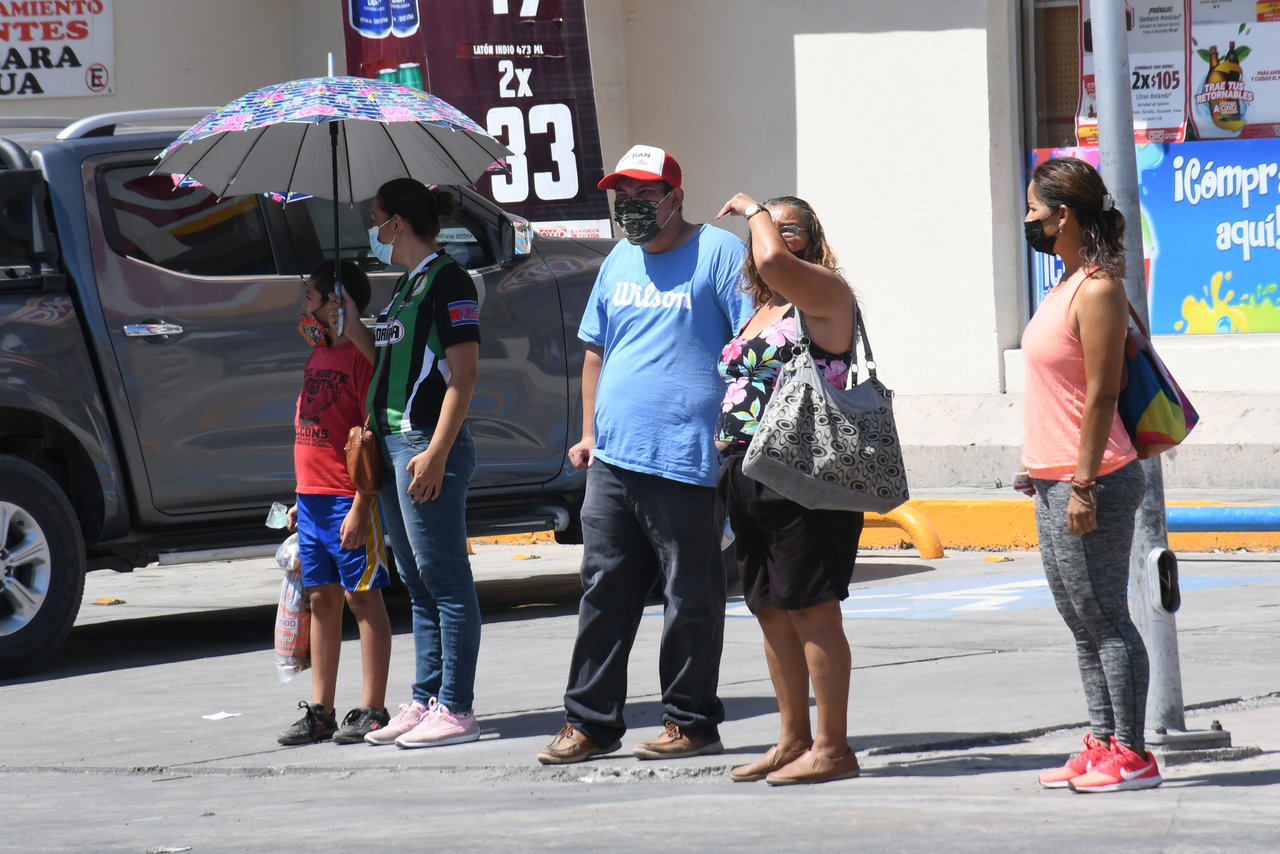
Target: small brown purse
pixel 364 464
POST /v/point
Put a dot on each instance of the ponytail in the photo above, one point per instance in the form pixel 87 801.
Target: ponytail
pixel 420 207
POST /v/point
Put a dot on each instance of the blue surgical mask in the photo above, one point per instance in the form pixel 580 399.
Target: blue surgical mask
pixel 380 250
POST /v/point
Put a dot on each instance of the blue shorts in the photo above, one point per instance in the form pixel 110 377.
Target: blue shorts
pixel 324 560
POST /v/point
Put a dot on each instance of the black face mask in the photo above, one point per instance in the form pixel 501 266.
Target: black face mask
pixel 638 219
pixel 800 253
pixel 1036 238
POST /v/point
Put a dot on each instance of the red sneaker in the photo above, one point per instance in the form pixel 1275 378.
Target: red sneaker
pixel 1088 759
pixel 1122 770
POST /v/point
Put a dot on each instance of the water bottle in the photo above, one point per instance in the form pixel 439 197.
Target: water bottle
pixel 371 18
pixel 404 18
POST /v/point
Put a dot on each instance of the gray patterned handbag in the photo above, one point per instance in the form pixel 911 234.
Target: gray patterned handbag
pixel 827 448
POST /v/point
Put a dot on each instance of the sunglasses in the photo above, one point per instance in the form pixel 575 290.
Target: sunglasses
pixel 790 231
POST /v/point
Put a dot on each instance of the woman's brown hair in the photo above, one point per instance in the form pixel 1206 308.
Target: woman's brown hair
pixel 418 205
pixel 818 251
pixel 1074 183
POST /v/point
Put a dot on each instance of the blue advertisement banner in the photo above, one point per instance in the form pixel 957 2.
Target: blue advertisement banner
pixel 1210 223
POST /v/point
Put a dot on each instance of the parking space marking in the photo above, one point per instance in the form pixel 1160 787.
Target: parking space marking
pixel 971 594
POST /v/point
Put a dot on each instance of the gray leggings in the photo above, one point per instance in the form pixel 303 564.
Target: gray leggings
pixel 1089 577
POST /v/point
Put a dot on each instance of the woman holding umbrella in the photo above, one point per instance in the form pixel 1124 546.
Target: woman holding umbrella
pixel 427 344
pixel 425 350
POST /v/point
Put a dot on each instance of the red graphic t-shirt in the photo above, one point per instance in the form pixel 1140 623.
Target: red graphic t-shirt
pixel 334 387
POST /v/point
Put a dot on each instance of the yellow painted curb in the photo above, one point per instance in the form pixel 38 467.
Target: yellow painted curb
pixel 999 524
pixel 517 539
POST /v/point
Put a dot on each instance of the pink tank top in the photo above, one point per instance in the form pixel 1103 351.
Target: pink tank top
pixel 1054 401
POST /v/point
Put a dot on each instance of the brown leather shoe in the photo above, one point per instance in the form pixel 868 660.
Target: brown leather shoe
pixel 675 744
pixel 571 745
pixel 811 768
pixel 762 767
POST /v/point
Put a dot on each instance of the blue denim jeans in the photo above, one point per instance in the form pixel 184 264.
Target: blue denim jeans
pixel 430 544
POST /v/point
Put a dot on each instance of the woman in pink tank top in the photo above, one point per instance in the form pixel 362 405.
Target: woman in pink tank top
pixel 1081 467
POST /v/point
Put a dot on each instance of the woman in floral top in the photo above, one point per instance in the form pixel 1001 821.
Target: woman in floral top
pixel 795 563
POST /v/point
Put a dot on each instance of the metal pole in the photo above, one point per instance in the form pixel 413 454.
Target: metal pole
pixel 1119 168
pixel 337 243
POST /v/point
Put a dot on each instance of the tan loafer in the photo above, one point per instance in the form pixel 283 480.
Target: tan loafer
pixel 675 743
pixel 811 768
pixel 765 765
pixel 571 745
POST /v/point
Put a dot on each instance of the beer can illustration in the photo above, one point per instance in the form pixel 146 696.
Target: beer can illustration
pixel 371 18
pixel 411 76
pixel 404 18
pixel 388 75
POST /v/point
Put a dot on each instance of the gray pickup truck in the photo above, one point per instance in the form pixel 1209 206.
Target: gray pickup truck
pixel 150 363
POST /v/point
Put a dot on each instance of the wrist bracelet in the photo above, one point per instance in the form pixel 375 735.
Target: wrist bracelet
pixel 1076 483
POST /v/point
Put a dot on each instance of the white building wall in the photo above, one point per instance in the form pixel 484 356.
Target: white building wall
pixel 910 213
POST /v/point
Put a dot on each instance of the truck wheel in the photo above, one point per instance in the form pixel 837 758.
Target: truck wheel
pixel 41 566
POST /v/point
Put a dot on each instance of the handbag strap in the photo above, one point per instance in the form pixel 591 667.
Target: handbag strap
pixel 1137 321
pixel 860 332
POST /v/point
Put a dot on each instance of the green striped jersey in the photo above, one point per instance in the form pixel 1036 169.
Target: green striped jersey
pixel 433 309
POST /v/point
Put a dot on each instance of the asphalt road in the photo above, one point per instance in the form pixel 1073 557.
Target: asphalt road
pixel 957 664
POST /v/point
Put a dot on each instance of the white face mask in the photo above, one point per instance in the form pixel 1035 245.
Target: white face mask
pixel 380 250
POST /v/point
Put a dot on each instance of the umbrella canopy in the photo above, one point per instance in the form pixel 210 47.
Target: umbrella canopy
pixel 272 141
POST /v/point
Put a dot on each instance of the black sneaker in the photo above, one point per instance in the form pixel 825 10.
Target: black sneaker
pixel 360 722
pixel 317 724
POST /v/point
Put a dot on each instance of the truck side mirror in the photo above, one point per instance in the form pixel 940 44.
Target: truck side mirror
pixel 517 239
pixel 24 221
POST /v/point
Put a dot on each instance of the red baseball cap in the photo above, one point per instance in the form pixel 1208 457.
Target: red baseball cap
pixel 644 163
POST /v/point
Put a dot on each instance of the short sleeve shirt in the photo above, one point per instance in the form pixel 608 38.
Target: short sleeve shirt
pixel 334 384
pixel 434 308
pixel 662 319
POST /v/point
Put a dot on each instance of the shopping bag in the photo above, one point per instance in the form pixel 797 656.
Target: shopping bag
pixel 1155 412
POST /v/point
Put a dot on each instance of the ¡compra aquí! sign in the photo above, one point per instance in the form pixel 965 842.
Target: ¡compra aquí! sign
pixel 56 48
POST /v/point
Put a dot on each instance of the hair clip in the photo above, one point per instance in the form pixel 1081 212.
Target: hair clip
pixel 1108 202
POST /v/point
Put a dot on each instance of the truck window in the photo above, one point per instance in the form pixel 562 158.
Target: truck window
pixel 184 229
pixel 311 224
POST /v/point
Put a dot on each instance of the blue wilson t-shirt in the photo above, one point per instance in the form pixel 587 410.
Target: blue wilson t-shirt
pixel 662 320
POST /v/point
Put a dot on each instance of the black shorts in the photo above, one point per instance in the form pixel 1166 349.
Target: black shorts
pixel 790 557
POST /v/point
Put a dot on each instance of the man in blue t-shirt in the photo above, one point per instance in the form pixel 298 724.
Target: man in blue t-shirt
pixel 665 303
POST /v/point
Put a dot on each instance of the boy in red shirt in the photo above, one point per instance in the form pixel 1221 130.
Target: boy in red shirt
pixel 340 529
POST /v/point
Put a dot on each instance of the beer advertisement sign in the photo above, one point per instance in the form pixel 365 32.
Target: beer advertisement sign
pixel 522 70
pixel 1158 41
pixel 56 48
pixel 1235 67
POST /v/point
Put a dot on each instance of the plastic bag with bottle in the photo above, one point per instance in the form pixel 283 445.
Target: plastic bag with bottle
pixel 293 616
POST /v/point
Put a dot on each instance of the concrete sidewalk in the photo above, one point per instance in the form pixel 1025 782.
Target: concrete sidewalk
pixel 957 663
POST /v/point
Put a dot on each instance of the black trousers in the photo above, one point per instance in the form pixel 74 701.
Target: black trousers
pixel 637 528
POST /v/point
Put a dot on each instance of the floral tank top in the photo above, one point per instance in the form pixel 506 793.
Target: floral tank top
pixel 750 366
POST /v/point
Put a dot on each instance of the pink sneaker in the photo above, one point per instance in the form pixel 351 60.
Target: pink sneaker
pixel 1122 770
pixel 440 728
pixel 410 716
pixel 1094 752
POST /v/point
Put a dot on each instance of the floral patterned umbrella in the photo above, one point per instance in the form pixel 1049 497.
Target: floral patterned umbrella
pixel 274 140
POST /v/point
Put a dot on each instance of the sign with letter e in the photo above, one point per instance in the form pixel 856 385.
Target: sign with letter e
pixel 56 48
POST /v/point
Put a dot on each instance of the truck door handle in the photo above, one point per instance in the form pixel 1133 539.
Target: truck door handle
pixel 151 330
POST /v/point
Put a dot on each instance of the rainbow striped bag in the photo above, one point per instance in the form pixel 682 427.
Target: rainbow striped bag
pixel 1155 412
